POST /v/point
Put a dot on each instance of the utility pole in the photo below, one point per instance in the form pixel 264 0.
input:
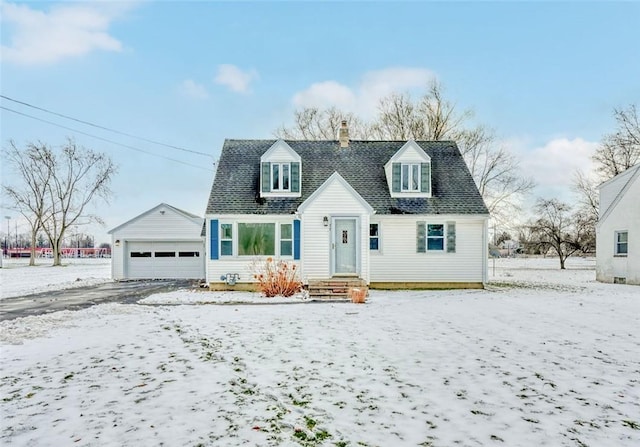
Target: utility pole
pixel 7 240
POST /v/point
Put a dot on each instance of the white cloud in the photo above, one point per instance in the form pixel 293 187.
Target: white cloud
pixel 363 98
pixel 235 78
pixel 326 94
pixel 39 37
pixel 553 165
pixel 192 89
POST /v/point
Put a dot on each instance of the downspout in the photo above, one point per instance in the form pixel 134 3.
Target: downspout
pixel 485 251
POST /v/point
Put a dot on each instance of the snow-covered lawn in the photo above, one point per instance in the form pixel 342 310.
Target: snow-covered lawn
pixel 542 357
pixel 18 279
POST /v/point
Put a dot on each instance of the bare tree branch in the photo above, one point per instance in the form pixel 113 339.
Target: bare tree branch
pixel 56 185
pixel 619 150
pixel 559 228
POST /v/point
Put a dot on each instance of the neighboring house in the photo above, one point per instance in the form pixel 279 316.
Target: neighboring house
pixel 164 242
pixel 618 229
pixel 394 214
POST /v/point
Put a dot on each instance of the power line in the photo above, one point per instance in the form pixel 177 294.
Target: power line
pixel 105 128
pixel 103 139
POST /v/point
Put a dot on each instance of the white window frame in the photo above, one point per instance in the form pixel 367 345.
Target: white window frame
pixel 443 238
pixel 278 187
pixel 379 249
pixel 281 239
pixel 618 243
pixel 410 177
pixel 223 239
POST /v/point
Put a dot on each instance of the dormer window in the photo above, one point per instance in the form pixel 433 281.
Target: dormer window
pixel 408 172
pixel 280 176
pixel 410 177
pixel 280 172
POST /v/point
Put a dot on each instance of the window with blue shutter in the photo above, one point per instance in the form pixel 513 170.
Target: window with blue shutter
pixel 266 177
pixel 396 169
pixel 295 177
pixel 296 239
pixel 451 237
pixel 213 231
pixel 425 177
pixel 421 237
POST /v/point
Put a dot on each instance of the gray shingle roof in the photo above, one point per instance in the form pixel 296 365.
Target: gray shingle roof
pixel 236 188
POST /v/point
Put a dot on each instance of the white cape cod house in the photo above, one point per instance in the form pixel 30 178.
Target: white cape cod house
pixel 618 229
pixel 395 214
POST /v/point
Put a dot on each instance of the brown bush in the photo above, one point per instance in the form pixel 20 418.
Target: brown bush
pixel 276 277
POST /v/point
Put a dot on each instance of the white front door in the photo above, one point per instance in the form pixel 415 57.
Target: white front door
pixel 345 246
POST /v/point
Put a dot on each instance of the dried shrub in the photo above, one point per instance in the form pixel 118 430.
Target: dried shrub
pixel 276 277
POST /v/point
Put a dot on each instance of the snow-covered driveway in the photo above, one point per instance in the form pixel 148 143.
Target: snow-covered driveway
pixel 548 361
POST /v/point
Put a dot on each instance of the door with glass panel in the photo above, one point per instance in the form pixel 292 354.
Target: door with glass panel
pixel 345 246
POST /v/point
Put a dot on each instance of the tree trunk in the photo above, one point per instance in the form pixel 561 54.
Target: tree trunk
pixel 562 262
pixel 56 252
pixel 32 257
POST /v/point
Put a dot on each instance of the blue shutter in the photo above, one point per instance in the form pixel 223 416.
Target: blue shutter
pixel 213 229
pixel 295 177
pixel 296 239
pixel 421 237
pixel 395 177
pixel 451 237
pixel 425 177
pixel 266 177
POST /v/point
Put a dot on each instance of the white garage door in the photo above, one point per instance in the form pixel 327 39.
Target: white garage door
pixel 158 260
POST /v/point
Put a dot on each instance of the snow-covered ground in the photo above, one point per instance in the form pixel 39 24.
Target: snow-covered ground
pixel 542 357
pixel 18 279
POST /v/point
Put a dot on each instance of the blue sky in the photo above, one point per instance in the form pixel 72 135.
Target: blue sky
pixel 544 75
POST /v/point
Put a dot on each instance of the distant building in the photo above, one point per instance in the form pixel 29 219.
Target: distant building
pixel 618 229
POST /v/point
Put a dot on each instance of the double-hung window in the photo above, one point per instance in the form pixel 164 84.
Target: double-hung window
pixel 410 179
pixel 622 243
pixel 280 176
pixel 435 237
pixel 286 240
pixel 431 237
pixel 374 237
pixel 226 239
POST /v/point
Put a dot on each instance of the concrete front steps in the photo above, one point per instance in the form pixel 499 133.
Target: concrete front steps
pixel 336 288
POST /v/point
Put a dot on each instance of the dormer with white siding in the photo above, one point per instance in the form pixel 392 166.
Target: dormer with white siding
pixel 280 171
pixel 408 172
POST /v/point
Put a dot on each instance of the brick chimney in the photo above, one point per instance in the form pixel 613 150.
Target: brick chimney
pixel 343 134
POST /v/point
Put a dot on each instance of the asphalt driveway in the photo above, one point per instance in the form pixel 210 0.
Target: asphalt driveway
pixel 81 297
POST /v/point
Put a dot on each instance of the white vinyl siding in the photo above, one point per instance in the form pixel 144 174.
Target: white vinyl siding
pixel 621 213
pixel 215 268
pixel 159 225
pixel 622 243
pixel 334 201
pixel 400 261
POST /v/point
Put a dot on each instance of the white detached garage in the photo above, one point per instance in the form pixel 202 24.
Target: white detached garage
pixel 162 243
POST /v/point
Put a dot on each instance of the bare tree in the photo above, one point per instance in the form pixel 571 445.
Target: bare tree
pixel 442 121
pixel 30 197
pixel 617 152
pixel 56 187
pixel 560 229
pixel 620 150
pixel 79 176
pixel 315 124
pixel 398 119
pixel 431 117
